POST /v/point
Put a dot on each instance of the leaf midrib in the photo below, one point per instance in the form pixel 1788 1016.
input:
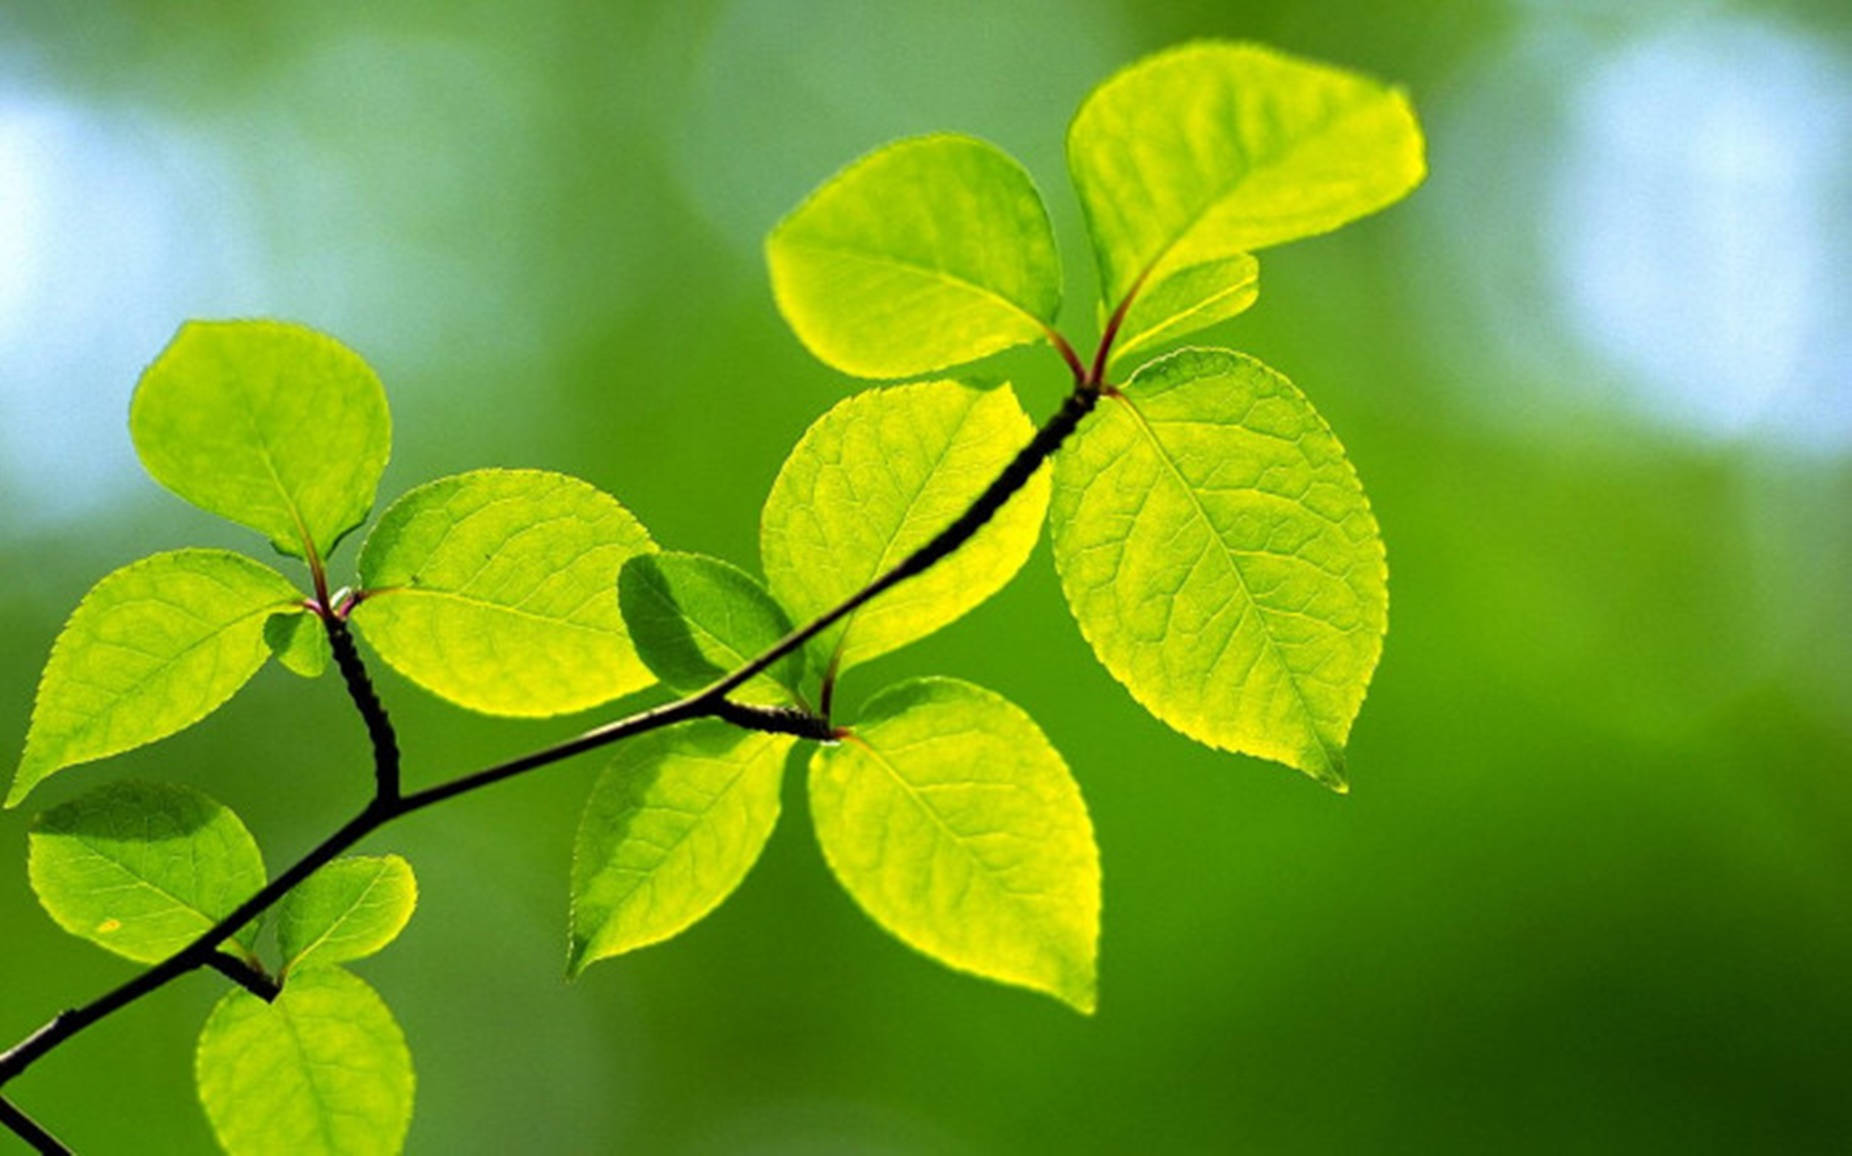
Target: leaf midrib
pixel 85 728
pixel 483 603
pixel 335 924
pixel 1015 897
pixel 1228 554
pixel 932 272
pixel 1227 191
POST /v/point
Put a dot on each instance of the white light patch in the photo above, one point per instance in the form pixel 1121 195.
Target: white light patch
pixel 112 229
pixel 1698 239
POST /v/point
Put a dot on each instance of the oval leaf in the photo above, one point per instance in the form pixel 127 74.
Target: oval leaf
pixel 1221 558
pixel 299 641
pixel 272 425
pixel 498 591
pixel 670 831
pixel 348 910
pixel 323 1071
pixel 143 869
pixel 874 479
pixel 695 619
pixel 956 826
pixel 924 254
pixel 1190 159
pixel 151 650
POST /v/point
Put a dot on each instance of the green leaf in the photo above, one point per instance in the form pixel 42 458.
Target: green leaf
pixel 152 649
pixel 875 478
pixel 956 826
pixel 349 909
pixel 323 1071
pixel 923 254
pixel 670 831
pixel 272 425
pixel 1192 158
pixel 1187 300
pixel 498 591
pixel 695 619
pixel 143 869
pixel 1219 553
pixel 299 642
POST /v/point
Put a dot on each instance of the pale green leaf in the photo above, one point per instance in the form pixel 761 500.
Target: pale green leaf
pixel 695 619
pixel 1187 300
pixel 152 649
pixel 143 869
pixel 497 590
pixel 670 831
pixel 1192 158
pixel 956 826
pixel 299 641
pixel 924 254
pixel 272 425
pixel 877 477
pixel 349 909
pixel 323 1071
pixel 1219 553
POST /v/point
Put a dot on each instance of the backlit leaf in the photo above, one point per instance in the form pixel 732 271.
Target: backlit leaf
pixel 1220 556
pixel 152 649
pixel 299 641
pixel 348 910
pixel 272 425
pixel 956 826
pixel 497 590
pixel 924 254
pixel 695 619
pixel 670 831
pixel 1192 158
pixel 143 869
pixel 323 1071
pixel 875 478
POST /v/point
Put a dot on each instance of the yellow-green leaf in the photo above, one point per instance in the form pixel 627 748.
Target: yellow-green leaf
pixel 323 1071
pixel 695 619
pixel 299 641
pixel 152 649
pixel 670 831
pixel 1220 556
pixel 1192 158
pixel 497 590
pixel 875 478
pixel 272 425
pixel 956 826
pixel 926 253
pixel 143 869
pixel 348 910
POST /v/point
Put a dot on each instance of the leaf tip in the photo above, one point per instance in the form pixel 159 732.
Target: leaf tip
pixel 1329 771
pixel 1084 998
pixel 579 956
pixel 27 776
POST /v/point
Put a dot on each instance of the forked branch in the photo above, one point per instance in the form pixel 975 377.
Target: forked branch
pixel 389 802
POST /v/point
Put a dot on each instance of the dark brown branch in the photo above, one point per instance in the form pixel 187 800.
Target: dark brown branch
pixel 389 804
pixel 28 1129
pixel 1014 476
pixel 366 701
pixel 250 978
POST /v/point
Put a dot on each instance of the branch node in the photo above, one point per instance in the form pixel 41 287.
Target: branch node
pixel 247 976
pixel 372 711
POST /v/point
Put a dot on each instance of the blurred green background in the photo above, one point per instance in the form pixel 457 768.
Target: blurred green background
pixel 1591 892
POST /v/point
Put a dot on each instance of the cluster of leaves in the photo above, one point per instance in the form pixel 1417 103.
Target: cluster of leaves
pixel 1212 540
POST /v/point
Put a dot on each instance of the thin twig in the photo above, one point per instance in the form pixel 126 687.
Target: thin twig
pixel 373 712
pixel 28 1129
pixel 252 979
pixel 389 803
